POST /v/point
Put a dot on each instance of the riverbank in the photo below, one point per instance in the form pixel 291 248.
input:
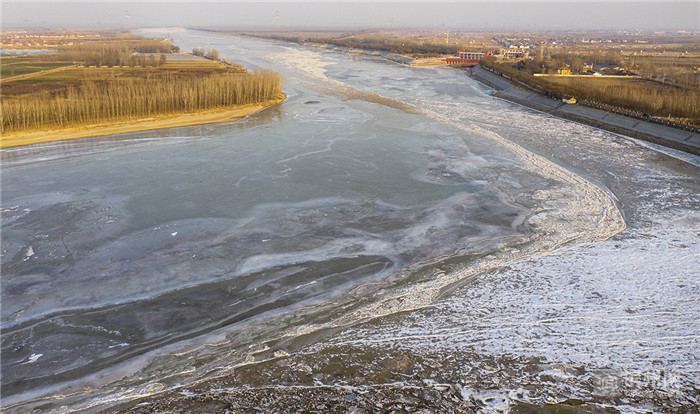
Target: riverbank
pixel 394 57
pixel 144 124
pixel 635 128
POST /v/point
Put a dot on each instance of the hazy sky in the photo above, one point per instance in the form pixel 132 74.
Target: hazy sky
pixel 459 15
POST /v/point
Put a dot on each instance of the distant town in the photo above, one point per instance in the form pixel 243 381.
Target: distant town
pixel 23 39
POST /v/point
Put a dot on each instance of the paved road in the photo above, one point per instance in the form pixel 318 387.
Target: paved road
pixel 659 134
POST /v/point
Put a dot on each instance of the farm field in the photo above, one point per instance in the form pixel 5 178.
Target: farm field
pixel 72 77
pixel 13 65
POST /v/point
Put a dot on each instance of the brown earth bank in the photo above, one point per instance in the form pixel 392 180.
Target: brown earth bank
pixel 357 380
pixel 320 399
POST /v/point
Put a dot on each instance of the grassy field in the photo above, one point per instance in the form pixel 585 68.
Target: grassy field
pixel 72 77
pixel 13 65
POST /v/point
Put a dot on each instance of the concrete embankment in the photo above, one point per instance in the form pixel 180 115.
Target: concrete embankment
pixel 647 131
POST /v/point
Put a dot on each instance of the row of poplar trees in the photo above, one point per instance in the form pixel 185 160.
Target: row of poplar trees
pixel 115 53
pixel 123 99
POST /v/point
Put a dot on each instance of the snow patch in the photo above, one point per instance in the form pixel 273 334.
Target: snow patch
pixel 33 358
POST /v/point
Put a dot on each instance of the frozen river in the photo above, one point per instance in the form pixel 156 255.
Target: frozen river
pixel 385 227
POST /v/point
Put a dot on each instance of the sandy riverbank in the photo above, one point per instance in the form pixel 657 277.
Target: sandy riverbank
pixel 144 124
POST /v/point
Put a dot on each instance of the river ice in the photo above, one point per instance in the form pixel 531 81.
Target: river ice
pixel 397 219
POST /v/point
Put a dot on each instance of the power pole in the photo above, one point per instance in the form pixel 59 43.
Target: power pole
pixel 127 20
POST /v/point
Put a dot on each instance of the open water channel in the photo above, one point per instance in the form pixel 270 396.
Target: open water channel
pixel 386 226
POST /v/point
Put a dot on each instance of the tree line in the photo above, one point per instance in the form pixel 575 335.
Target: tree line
pixel 123 99
pixel 644 96
pixel 674 70
pixel 212 54
pixel 116 53
pixel 155 46
pixel 401 47
pixel 637 95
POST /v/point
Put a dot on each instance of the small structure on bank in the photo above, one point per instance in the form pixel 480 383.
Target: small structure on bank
pixel 468 59
pixel 464 58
